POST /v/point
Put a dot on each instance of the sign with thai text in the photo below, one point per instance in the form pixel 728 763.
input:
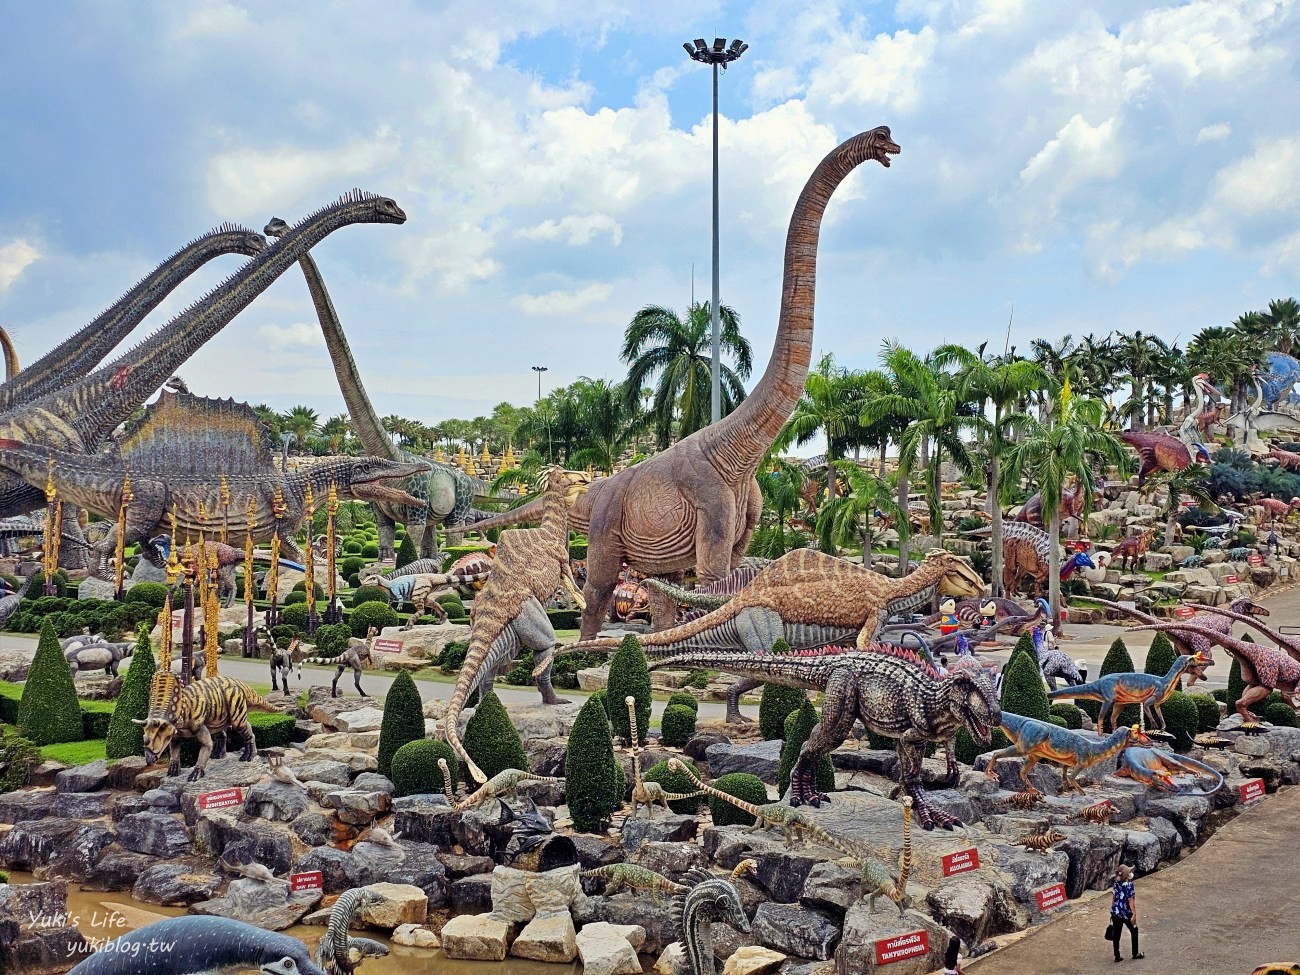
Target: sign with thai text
pixel 388 646
pixel 1050 897
pixel 914 944
pixel 1184 612
pixel 311 880
pixel 221 799
pixel 1254 558
pixel 1230 580
pixel 961 862
pixel 1252 789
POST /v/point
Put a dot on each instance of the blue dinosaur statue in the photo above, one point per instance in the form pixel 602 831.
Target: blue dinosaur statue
pixel 1280 378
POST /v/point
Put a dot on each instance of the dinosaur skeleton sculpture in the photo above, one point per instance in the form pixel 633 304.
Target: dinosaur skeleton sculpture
pixel 1114 691
pixel 1158 769
pixel 647 793
pixel 1038 741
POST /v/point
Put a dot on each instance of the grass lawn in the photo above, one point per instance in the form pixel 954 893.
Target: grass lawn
pixel 75 752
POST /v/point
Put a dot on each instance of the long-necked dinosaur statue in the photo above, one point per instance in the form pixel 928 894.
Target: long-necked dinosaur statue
pixel 78 417
pixel 1187 641
pixel 1251 617
pixel 696 504
pixel 11 356
pixel 444 493
pixel 74 357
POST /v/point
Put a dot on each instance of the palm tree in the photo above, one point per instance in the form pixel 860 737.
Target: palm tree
pixel 270 419
pixel 1137 355
pixel 1189 482
pixel 1229 355
pixel 781 484
pixel 610 423
pixel 1068 443
pixel 336 428
pixel 301 422
pixel 1282 324
pixel 846 520
pixel 829 405
pixel 679 351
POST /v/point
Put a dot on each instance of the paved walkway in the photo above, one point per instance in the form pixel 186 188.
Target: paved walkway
pixel 1222 911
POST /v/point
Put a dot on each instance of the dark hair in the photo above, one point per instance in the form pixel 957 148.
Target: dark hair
pixel 950 956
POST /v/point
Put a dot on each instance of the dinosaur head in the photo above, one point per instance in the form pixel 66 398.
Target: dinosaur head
pixel 1136 736
pixel 1247 607
pixel 571 485
pixel 1082 560
pixel 958 578
pixel 157 734
pixel 369 473
pixel 1203 380
pixel 275 227
pixel 878 144
pixel 1201 451
pixel 975 704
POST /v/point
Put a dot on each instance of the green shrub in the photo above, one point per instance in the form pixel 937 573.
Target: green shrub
pixel 370 594
pixel 1023 691
pixel 352 547
pixel 452 606
pixel 351 564
pixel 96 716
pixel 453 657
pixel 1160 657
pixel 746 788
pixel 590 772
pixel 1279 713
pixel 150 593
pixel 295 615
pixel 295 599
pixel 38 582
pixel 776 703
pixel 49 711
pixel 1220 694
pixel 11 696
pixel 352 580
pixel 302 588
pixel 798 726
pixel 491 740
pixel 1068 713
pixel 1207 711
pixel 332 639
pixel 370 550
pixel 282 633
pixel 1024 645
pixel 272 730
pixel 564 619
pixel 1059 722
pixel 577 551
pixel 406 553
pixel 1181 718
pixel 677 782
pixel 698 679
pixel 967 748
pixel 1117 661
pixel 629 676
pixel 403 720
pixel 378 615
pixel 565 671
pixel 415 767
pixel 685 700
pixel 677 725
pixel 521 674
pixel 17 755
pixel 1236 686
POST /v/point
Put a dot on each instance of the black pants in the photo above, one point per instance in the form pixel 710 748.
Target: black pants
pixel 1117 925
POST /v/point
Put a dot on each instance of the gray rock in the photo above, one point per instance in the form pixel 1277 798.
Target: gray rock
pixel 321 770
pixel 597 851
pixel 416 864
pixel 176 885
pixel 458 865
pixel 783 873
pixel 335 865
pixel 82 805
pixel 546 755
pixel 1046 780
pixel 118 870
pixel 154 834
pixel 862 929
pixel 42 775
pixel 699 744
pixel 1028 872
pixel 976 908
pixel 1186 813
pixel 357 806
pixel 664 829
pixel 218 833
pixel 657 918
pixel 124 806
pixel 33 938
pixel 542 793
pixel 762 758
pixel 1141 850
pixel 673 860
pixel 26 805
pixel 796 930
pixel 314 828
pixel 373 782
pixel 831 888
pixel 265 905
pixel 472 895
pixel 953 802
pixel 83 778
pixel 276 801
pixel 879 761
pixel 163 801
pixel 426 819
pixel 1168 836
pixel 33 843
pixel 1094 853
pixel 76 855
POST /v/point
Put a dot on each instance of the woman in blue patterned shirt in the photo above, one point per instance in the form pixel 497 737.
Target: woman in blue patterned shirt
pixel 1123 911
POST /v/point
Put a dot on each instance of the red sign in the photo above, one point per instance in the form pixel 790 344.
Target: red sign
pixel 1230 580
pixel 311 880
pixel 1252 789
pixel 1050 897
pixel 1254 558
pixel 1184 612
pixel 914 944
pixel 961 862
pixel 388 646
pixel 221 799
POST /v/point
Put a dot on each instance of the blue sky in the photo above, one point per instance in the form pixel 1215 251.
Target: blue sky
pixel 1097 165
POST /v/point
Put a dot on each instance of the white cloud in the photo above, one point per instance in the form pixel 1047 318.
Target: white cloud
pixel 1265 182
pixel 288 338
pixel 1078 153
pixel 576 229
pixel 555 303
pixel 1214 133
pixel 204 18
pixel 15 257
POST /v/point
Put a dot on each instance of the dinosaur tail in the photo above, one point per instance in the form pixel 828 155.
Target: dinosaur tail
pixel 482 521
pixel 486 630
pixel 284 563
pixel 706 789
pixel 687 597
pixel 807 673
pixel 1207 770
pixel 1081 692
pixel 255 701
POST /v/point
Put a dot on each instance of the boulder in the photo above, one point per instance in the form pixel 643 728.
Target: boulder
pixel 15 665
pixel 473 893
pixel 610 949
pixel 154 834
pixel 1094 853
pixel 220 834
pixel 415 936
pixel 593 678
pixel 75 856
pixel 176 885
pixel 323 708
pixel 374 782
pixel 796 930
pixel 753 960
pixel 427 642
pixel 26 804
pixel 476 937
pixel 42 775
pixel 537 720
pixel 427 819
pixel 656 917
pixel 35 936
pixel 1141 850
pixel 359 719
pixel 162 801
pixel 672 860
pixel 549 938
pixel 335 866
pixel 311 768
pixel 1186 813
pixel 118 870
pixel 389 905
pixel 315 828
pixel 272 906
pixel 98 687
pixel 33 843
pixel 519 895
pixel 276 801
pixel 459 865
pixel 666 829
pixel 762 758
pixel 82 805
pixel 597 851
pixel 862 929
pixel 829 887
pixel 341 739
pixel 700 742
pixel 976 908
pixel 83 778
pixel 356 806
pixel 673 961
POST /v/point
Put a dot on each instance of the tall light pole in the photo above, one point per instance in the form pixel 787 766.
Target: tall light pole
pixel 719 56
pixel 539 370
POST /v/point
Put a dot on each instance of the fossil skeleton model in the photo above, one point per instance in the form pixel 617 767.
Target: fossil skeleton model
pixel 697 503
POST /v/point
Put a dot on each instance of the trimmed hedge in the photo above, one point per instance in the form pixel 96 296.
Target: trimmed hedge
pixel 406 553
pixel 776 703
pixel 629 676
pixel 677 782
pixel 677 725
pixel 1024 645
pixel 1279 713
pixel 49 711
pixel 332 639
pixel 1160 657
pixel 798 726
pixel 371 614
pixel 745 787
pixel 295 598
pixel 295 615
pixel 369 594
pixel 967 749
pixel 593 781
pixel 453 658
pixel 1068 713
pixel 1023 691
pixel 302 588
pixel 272 730
pixel 1207 711
pixel 564 619
pixel 1117 661
pixel 685 700
pixel 351 564
pixel 150 593
pixel 490 738
pixel 403 720
pixel 415 767
pixel 1182 720
pixel 452 606
pixel 370 550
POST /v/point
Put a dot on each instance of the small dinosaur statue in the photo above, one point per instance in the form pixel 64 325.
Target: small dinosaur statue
pixel 1131 548
pixel 1099 813
pixel 643 792
pixel 712 899
pixel 337 953
pixel 1038 741
pixel 629 876
pixel 504 783
pixel 1041 841
pixel 1158 768
pixel 1114 691
pixel 1161 452
pixel 1051 661
pixel 252 871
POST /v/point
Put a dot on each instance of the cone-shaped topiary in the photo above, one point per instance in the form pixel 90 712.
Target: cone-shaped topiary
pixel 677 725
pixel 1235 685
pixel 415 768
pixel 406 553
pixel 403 720
pixel 1207 710
pixel 49 711
pixel 1023 690
pixel 1160 657
pixel 125 738
pixel 746 788
pixel 590 772
pixel 628 674
pixel 776 703
pixel 1181 719
pixel 1024 645
pixel 679 783
pixel 798 726
pixel 491 740
pixel 1117 661
pixel 685 700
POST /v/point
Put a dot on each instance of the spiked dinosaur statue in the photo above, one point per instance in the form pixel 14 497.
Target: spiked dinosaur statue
pixel 1037 741
pixel 509 614
pixel 697 503
pixel 177 459
pixel 891 696
pixel 1161 452
pixel 444 493
pixel 806 598
pixel 157 551
pixel 1114 691
pixel 1026 552
pixel 1284 458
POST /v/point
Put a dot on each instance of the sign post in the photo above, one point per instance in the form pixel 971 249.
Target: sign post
pixel 221 799
pixel 1252 789
pixel 901 947
pixel 962 861
pixel 1050 897
pixel 388 646
pixel 311 880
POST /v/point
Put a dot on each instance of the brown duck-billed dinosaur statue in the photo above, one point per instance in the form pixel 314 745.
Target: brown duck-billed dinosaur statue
pixel 1161 452
pixel 697 503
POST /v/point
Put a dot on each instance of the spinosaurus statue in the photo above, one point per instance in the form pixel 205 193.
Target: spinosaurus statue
pixel 1161 452
pixel 11 356
pixel 697 503
pixel 443 493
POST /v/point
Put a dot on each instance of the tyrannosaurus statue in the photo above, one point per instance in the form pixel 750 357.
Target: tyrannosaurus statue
pixel 698 502
pixel 1037 741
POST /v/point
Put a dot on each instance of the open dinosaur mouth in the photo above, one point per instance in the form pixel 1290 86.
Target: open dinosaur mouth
pixel 980 730
pixel 375 491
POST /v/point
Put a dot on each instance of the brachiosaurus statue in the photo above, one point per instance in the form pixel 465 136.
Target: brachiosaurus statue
pixel 11 356
pixel 697 502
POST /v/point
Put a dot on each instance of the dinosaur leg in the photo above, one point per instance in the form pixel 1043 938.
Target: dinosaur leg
pixel 419 611
pixel 1030 761
pixel 219 745
pixel 742 686
pixel 356 679
pixel 205 752
pixel 274 677
pixel 387 534
pixel 532 628
pixel 1111 709
pixel 911 749
pixel 1155 717
pixel 1251 695
pixel 828 734
pixel 338 672
pixel 250 743
pixel 436 606
pixel 602 577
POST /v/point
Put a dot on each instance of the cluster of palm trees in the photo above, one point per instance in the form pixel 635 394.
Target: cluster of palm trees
pixel 310 435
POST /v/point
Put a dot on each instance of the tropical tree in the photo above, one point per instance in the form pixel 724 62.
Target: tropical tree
pixel 1188 483
pixel 781 484
pixel 846 519
pixel 1282 324
pixel 337 429
pixel 1229 355
pixel 610 421
pixel 301 421
pixel 659 343
pixel 831 405
pixel 1138 356
pixel 270 419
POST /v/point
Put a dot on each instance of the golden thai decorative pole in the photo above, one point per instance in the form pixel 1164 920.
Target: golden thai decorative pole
pixel 211 617
pixel 190 570
pixel 173 570
pixel 201 553
pixel 332 613
pixel 225 511
pixel 250 584
pixel 278 510
pixel 308 564
pixel 120 553
pixel 50 551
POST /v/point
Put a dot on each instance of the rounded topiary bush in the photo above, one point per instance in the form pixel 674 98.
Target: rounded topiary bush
pixel 1207 711
pixel 352 547
pixel 967 749
pixel 593 781
pixel 775 704
pixel 351 564
pixel 378 615
pixel 629 675
pixel 1023 691
pixel 124 737
pixel 1279 713
pixel 150 593
pixel 370 550
pixel 295 615
pixel 1181 718
pixel 491 740
pixel 369 594
pixel 49 711
pixel 685 700
pixel 677 725
pixel 302 588
pixel 1160 657
pixel 1068 713
pixel 452 606
pixel 403 720
pixel 295 599
pixel 745 787
pixel 332 639
pixel 1053 719
pixel 798 726
pixel 679 783
pixel 415 768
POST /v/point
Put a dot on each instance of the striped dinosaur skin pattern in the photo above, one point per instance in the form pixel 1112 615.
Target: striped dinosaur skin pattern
pixel 716 593
pixel 509 614
pixel 441 494
pixel 647 793
pixel 446 782
pixel 1053 663
pixel 1027 799
pixel 475 567
pixel 206 707
pixel 1026 553
pixel 1098 813
pixel 1041 842
pixel 503 784
pixel 79 353
pixel 1158 768
pixel 629 876
pixel 890 696
pixel 337 953
pixel 422 591
pixel 356 656
pixel 80 416
pixel 1038 741
pixel 896 891
pixel 1114 691
pixel 710 900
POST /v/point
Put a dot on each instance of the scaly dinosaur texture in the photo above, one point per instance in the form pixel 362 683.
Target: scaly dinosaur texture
pixel 697 503
pixel 510 613
pixel 713 899
pixel 1161 452
pixel 647 793
pixel 205 707
pixel 1037 741
pixel 1054 663
pixel 78 417
pixel 1114 691
pixel 423 590
pixel 1026 552
pixel 504 783
pixel 1187 642
pixel 1288 459
pixel 1277 509
pixel 629 876
pixel 716 593
pixel 337 953
pixel 1158 769
pixel 1071 506
pixel 82 351
pixel 357 656
pixel 1131 548
pixel 890 696
pixel 443 493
